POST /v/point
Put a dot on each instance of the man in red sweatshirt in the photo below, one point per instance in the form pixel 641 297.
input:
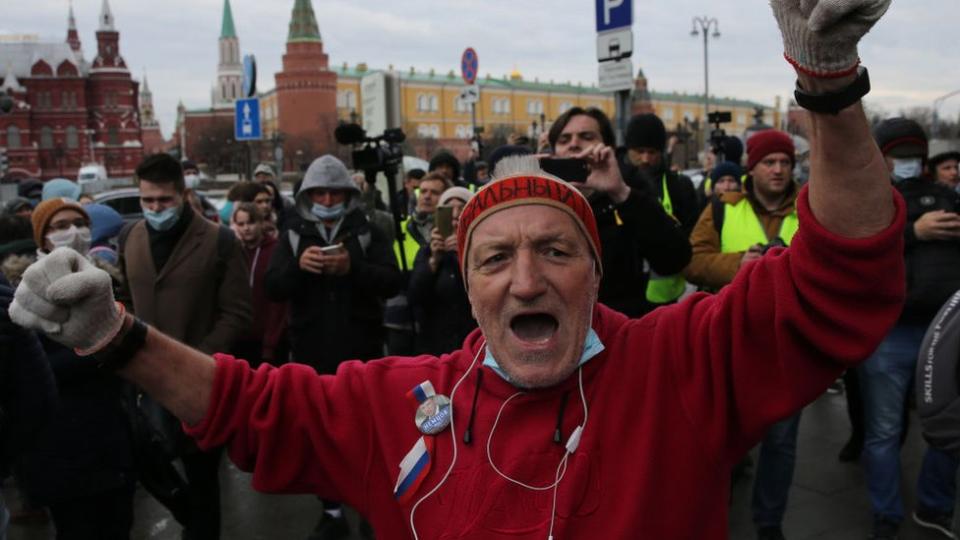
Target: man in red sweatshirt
pixel 558 418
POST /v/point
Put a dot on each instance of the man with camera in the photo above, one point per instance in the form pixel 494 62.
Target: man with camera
pixel 637 235
pixel 734 230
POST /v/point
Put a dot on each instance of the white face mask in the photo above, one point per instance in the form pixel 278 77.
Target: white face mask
pixel 75 238
pixel 191 181
pixel 904 168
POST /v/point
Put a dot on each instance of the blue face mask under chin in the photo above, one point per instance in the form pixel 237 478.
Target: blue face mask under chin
pixel 163 220
pixel 328 212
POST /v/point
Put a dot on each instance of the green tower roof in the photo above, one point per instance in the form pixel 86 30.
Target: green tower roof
pixel 303 23
pixel 226 27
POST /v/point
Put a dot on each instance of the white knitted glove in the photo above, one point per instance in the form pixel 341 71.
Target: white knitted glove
pixel 69 299
pixel 820 36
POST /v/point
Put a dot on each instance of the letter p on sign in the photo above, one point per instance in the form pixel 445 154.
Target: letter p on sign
pixel 609 6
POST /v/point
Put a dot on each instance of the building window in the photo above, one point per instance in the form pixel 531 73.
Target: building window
pixel 434 103
pixel 668 114
pixel 428 131
pixel 565 106
pixel 422 103
pixel 113 136
pixel 46 137
pixel 73 140
pixel 351 99
pixel 741 118
pixel 460 106
pixel 501 106
pixel 534 107
pixel 13 137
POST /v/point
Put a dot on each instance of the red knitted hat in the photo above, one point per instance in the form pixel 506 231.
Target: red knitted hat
pixel 526 189
pixel 764 143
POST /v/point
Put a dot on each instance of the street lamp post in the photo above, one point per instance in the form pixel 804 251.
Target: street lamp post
pixel 936 111
pixel 702 25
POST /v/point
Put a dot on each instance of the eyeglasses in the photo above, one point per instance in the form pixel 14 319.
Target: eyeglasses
pixel 64 224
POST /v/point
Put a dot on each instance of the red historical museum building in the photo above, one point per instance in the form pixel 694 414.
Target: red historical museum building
pixel 69 111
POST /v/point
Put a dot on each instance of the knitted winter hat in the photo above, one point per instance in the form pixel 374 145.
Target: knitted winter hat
pixel 943 156
pixel 727 168
pixel 522 188
pixel 770 141
pixel 646 131
pixel 264 168
pixel 732 149
pixel 456 192
pixel 61 187
pixel 901 137
pixel 44 212
pixel 445 158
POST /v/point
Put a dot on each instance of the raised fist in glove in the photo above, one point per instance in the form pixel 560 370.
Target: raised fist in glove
pixel 71 300
pixel 820 37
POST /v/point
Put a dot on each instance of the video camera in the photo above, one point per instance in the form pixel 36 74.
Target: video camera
pixel 717 135
pixel 381 153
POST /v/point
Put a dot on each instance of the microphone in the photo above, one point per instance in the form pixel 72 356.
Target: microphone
pixel 350 134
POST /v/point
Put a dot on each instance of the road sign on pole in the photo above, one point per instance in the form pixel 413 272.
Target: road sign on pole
pixel 614 49
pixel 249 81
pixel 469 65
pixel 612 14
pixel 470 93
pixel 246 122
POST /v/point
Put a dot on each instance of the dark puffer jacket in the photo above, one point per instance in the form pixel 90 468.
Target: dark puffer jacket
pixel 933 267
pixel 440 303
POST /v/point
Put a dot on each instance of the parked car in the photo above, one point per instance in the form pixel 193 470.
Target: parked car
pixel 126 201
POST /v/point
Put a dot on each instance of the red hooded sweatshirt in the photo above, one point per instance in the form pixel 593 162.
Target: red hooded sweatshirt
pixel 676 399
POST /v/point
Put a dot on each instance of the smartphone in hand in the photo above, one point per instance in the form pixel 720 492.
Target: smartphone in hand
pixel 569 169
pixel 443 220
pixel 331 250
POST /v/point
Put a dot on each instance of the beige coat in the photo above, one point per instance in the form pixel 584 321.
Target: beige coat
pixel 193 299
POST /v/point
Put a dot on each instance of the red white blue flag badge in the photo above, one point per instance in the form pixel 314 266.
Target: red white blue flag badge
pixel 413 469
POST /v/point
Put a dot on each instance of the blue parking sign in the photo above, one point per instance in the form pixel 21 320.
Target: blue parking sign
pixel 246 120
pixel 613 14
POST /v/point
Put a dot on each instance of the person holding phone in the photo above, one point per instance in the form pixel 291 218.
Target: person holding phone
pixel 639 238
pixel 336 270
pixel 436 290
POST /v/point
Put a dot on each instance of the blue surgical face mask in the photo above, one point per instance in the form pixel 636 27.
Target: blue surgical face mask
pixel 163 220
pixel 905 168
pixel 328 213
pixel 592 346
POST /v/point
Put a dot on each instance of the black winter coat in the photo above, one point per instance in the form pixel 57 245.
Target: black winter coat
pixel 933 267
pixel 28 393
pixel 87 446
pixel 440 303
pixel 335 318
pixel 643 232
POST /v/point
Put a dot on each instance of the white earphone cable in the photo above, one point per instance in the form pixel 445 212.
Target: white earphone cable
pixel 453 439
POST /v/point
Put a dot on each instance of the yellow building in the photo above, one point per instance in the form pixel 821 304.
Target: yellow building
pixel 430 105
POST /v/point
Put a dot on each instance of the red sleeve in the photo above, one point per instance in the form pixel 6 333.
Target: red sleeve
pixel 783 330
pixel 298 432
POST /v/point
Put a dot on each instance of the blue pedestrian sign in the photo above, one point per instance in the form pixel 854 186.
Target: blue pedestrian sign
pixel 246 120
pixel 613 14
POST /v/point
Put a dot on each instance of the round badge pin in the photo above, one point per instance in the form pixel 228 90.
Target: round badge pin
pixel 433 415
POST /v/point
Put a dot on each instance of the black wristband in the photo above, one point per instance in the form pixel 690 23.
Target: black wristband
pixel 834 102
pixel 114 357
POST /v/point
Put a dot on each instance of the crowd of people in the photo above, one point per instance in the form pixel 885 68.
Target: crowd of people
pixel 329 276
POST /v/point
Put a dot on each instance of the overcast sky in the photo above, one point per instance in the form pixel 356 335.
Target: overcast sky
pixel 911 53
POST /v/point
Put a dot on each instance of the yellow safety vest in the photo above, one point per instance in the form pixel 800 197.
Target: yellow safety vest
pixel 665 289
pixel 410 244
pixel 743 229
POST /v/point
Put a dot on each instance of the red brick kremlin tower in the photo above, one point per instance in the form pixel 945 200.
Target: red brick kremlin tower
pixel 306 88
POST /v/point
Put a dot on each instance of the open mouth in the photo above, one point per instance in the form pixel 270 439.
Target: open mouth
pixel 534 327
